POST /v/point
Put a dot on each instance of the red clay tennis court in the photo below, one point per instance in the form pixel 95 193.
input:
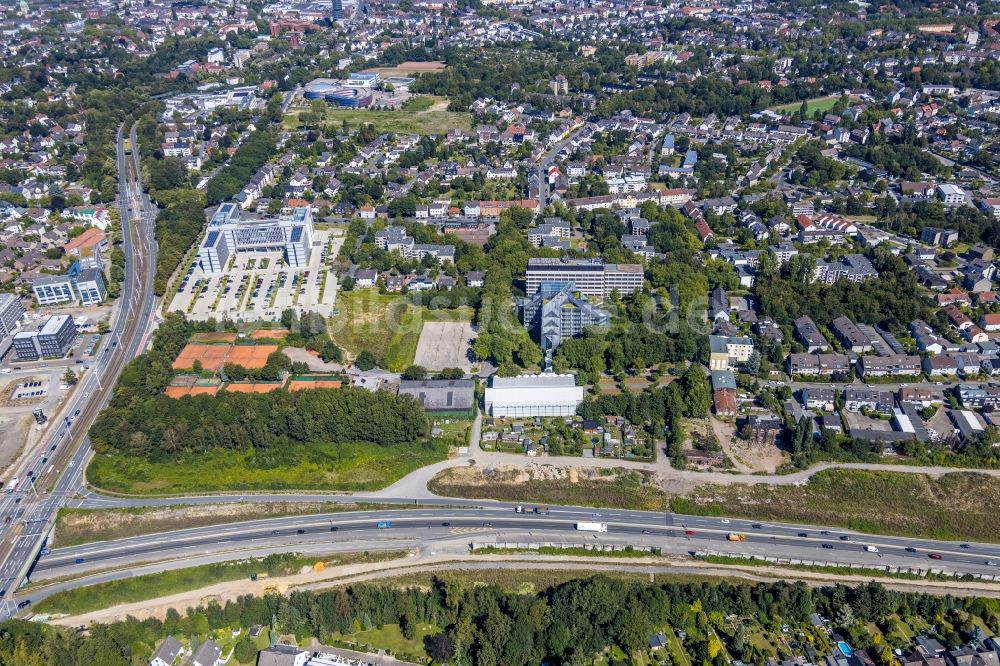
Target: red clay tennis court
pixel 180 391
pixel 269 334
pixel 253 387
pixel 211 356
pixel 305 384
pixel 219 336
pixel 250 356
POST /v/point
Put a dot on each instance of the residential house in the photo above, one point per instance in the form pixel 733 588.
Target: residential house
pixel 365 278
pixel 207 654
pixel 725 351
pixel 819 365
pixel 856 398
pixel 283 655
pixel 167 653
pixel 809 335
pixel 850 336
pixel 818 398
pixel 895 365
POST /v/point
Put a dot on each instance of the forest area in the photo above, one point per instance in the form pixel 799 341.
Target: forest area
pixel 141 421
pixel 574 622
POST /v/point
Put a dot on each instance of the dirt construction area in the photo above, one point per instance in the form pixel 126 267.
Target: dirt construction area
pixel 445 344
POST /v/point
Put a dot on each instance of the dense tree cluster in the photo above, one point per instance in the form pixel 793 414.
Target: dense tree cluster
pixel 893 299
pixel 241 421
pixel 178 225
pixel 140 420
pixel 565 624
pixel 248 158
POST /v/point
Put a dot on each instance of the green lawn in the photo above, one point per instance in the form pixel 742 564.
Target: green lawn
pixel 388 325
pixel 957 506
pixel 338 467
pixel 421 116
pixel 821 104
pixel 389 637
pixel 152 586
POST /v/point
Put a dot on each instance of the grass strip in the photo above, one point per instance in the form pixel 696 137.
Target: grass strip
pixel 164 583
pixel 955 507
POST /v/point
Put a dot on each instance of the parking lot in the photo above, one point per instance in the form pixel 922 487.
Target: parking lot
pixel 259 285
pixel 30 389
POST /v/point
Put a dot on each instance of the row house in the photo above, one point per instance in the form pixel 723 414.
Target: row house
pixel 895 365
pixel 818 365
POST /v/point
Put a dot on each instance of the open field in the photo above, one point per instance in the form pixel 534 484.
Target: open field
pixel 418 119
pixel 338 467
pixel 821 104
pixel 388 325
pixel 958 506
pixel 160 584
pixel 612 488
pixel 445 344
pixel 76 526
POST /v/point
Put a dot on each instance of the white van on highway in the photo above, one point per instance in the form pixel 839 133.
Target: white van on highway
pixel 871 549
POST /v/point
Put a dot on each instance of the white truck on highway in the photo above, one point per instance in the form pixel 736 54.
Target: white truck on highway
pixel 12 485
pixel 592 527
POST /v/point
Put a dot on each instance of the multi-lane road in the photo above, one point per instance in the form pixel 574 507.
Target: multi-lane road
pixel 426 527
pixel 55 470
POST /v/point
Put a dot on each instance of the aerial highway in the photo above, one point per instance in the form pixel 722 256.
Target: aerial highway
pixel 54 472
pixel 426 527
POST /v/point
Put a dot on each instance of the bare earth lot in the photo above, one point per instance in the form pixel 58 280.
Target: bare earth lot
pixel 445 344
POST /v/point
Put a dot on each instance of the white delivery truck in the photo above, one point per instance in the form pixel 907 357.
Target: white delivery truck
pixel 871 549
pixel 592 527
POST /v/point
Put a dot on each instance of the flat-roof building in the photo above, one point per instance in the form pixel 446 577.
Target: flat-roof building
pixel 441 395
pixel 546 394
pixel 291 233
pixel 83 282
pixel 591 277
pixel 52 340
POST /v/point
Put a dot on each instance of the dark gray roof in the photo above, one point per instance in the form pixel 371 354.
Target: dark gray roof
pixel 168 650
pixel 441 394
pixel 279 655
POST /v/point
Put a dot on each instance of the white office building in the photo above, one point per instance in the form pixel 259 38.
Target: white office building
pixel 591 277
pixel 291 233
pixel 546 394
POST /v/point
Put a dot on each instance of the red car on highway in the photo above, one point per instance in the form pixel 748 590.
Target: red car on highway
pixel 934 556
pixel 689 532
